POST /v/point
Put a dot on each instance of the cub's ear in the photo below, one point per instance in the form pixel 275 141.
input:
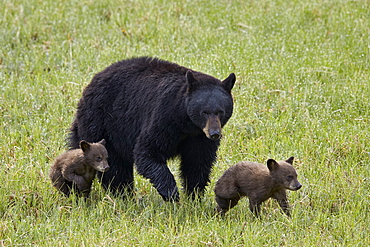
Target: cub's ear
pixel 84 145
pixel 229 82
pixel 102 142
pixel 191 81
pixel 272 164
pixel 290 160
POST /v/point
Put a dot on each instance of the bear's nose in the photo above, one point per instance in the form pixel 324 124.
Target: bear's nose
pixel 215 136
pixel 105 168
pixel 299 186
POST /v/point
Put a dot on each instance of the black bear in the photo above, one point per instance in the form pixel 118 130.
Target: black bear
pixel 258 182
pixel 76 168
pixel 149 111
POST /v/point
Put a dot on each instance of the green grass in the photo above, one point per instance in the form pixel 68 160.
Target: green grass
pixel 302 90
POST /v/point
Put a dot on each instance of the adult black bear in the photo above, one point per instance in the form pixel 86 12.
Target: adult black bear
pixel 148 111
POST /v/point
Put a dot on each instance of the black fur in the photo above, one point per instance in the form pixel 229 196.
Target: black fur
pixel 148 111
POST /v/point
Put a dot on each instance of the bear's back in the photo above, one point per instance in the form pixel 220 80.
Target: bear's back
pixel 252 178
pixel 246 176
pixel 144 73
pixel 135 70
pixel 68 158
pixel 141 64
pixel 251 170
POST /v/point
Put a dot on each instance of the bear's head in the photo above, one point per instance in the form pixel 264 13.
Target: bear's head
pixel 95 154
pixel 210 104
pixel 284 174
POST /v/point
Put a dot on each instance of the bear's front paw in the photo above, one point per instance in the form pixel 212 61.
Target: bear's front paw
pixel 170 196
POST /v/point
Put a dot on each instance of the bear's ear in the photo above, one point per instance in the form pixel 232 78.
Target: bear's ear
pixel 191 81
pixel 84 145
pixel 290 160
pixel 272 164
pixel 229 82
pixel 102 142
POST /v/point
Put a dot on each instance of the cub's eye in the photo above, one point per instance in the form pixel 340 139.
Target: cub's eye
pixel 98 159
pixel 205 113
pixel 289 178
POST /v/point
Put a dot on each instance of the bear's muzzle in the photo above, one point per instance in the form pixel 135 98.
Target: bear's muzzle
pixel 213 128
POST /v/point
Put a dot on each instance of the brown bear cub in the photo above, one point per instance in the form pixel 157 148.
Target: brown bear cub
pixel 76 168
pixel 257 182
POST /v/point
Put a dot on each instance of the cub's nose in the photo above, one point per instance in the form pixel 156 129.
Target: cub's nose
pixel 299 186
pixel 104 168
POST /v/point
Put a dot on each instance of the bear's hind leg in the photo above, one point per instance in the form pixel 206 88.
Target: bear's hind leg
pixel 225 204
pixel 60 183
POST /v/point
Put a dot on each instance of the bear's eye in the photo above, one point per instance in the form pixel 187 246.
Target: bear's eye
pixel 205 113
pixel 220 112
pixel 289 178
pixel 98 159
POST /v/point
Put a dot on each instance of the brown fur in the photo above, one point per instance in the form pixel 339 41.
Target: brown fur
pixel 76 168
pixel 257 182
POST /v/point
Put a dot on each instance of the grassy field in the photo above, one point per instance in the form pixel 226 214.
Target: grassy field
pixel 303 87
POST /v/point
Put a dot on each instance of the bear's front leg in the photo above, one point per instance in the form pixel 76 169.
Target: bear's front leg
pixel 255 207
pixel 71 176
pixel 78 182
pixel 282 199
pixel 84 188
pixel 161 178
pixel 154 168
pixel 198 154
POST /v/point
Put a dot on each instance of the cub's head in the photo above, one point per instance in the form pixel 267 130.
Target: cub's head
pixel 96 155
pixel 210 104
pixel 284 173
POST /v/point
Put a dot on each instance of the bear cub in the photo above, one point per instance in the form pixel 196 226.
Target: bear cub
pixel 257 182
pixel 76 168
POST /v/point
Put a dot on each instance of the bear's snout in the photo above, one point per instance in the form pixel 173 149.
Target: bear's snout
pixel 213 128
pixel 213 135
pixel 297 186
